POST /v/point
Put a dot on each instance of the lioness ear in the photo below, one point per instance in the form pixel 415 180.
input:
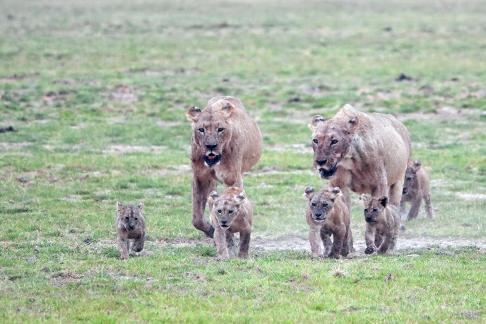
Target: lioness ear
pixel 384 201
pixel 227 109
pixel 193 114
pixel 316 120
pixel 336 190
pixel 309 192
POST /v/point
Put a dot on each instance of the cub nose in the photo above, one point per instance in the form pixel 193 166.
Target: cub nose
pixel 318 215
pixel 211 146
pixel 321 162
pixel 224 223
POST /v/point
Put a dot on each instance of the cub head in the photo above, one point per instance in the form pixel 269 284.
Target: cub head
pixel 322 202
pixel 129 215
pixel 332 139
pixel 212 128
pixel 374 207
pixel 410 181
pixel 227 206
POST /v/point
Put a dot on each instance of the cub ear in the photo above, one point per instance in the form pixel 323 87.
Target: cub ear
pixel 316 120
pixel 119 206
pixel 417 164
pixel 241 196
pixel 213 195
pixel 384 201
pixel 309 192
pixel 140 205
pixel 193 114
pixel 336 190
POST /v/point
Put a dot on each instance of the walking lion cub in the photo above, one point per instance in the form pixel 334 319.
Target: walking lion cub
pixel 230 213
pixel 130 225
pixel 328 215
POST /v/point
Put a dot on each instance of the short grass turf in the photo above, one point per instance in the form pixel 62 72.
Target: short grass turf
pixel 97 93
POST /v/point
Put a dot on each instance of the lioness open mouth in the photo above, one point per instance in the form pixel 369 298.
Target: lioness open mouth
pixel 327 173
pixel 212 159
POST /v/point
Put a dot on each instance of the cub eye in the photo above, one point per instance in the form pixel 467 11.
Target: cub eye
pixel 334 141
pixel 366 210
pixel 313 204
pixel 375 209
pixel 201 130
pixel 219 211
pixel 220 130
pixel 409 178
pixel 136 218
pixel 325 205
pixel 126 218
pixel 315 141
pixel 230 211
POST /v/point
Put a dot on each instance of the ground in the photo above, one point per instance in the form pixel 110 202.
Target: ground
pixel 96 93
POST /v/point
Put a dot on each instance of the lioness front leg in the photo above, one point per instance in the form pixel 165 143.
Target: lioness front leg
pixel 221 244
pixel 244 244
pixel 200 191
pixel 315 242
pixel 428 206
pixel 370 239
pixel 414 210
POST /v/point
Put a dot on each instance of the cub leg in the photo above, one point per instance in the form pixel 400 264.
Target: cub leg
pixel 123 245
pixel 138 243
pixel 221 245
pixel 230 242
pixel 370 239
pixel 326 240
pixel 378 240
pixel 315 241
pixel 337 244
pixel 428 206
pixel 386 243
pixel 200 191
pixel 414 210
pixel 244 244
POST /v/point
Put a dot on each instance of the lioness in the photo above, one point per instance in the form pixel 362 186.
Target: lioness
pixel 225 143
pixel 230 213
pixel 416 188
pixel 382 225
pixel 366 153
pixel 130 225
pixel 328 214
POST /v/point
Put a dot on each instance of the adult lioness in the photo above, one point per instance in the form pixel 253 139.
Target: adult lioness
pixel 225 143
pixel 366 153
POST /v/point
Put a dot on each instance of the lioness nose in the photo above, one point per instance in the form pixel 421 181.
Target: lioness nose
pixel 321 162
pixel 211 146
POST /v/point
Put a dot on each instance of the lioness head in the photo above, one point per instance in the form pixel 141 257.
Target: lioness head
pixel 410 181
pixel 374 207
pixel 212 128
pixel 332 139
pixel 227 206
pixel 322 202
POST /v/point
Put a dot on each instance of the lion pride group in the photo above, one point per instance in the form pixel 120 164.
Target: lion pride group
pixel 367 153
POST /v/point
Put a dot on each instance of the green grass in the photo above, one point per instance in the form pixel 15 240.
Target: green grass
pixel 98 94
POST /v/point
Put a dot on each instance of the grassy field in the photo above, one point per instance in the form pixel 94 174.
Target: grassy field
pixel 97 93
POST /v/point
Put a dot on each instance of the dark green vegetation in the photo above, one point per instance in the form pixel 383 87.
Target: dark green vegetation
pixel 97 94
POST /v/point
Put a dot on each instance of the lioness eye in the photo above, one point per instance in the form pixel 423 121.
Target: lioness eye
pixel 334 141
pixel 315 141
pixel 219 211
pixel 201 130
pixel 220 130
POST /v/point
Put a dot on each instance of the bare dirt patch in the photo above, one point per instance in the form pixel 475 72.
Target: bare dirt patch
pixel 471 196
pixel 124 93
pixel 123 149
pixel 63 278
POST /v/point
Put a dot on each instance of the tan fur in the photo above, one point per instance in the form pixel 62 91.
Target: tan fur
pixel 382 225
pixel 370 155
pixel 328 215
pixel 231 213
pixel 130 225
pixel 238 146
pixel 415 189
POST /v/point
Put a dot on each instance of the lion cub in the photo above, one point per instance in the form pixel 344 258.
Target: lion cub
pixel 230 213
pixel 130 225
pixel 382 225
pixel 416 188
pixel 328 214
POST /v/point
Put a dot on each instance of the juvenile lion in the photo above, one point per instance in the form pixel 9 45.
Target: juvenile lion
pixel 328 215
pixel 362 152
pixel 230 213
pixel 130 225
pixel 416 188
pixel 382 225
pixel 225 143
